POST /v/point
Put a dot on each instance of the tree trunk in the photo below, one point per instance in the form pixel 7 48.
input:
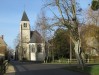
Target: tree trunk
pixel 78 53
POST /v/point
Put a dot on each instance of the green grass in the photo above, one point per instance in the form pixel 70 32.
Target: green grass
pixel 91 70
pixel 94 70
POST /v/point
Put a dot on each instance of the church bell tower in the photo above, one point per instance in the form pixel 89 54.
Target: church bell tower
pixel 24 35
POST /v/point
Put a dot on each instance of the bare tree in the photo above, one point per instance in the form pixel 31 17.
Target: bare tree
pixel 19 45
pixel 67 17
pixel 42 26
pixel 92 17
pixel 17 40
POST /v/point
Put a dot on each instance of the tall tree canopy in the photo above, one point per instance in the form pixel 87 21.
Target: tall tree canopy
pixel 66 15
pixel 61 42
pixel 92 17
pixel 95 5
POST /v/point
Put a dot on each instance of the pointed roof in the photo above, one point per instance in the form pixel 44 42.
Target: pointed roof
pixel 35 37
pixel 2 42
pixel 24 17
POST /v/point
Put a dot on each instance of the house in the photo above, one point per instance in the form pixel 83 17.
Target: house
pixel 31 46
pixel 3 47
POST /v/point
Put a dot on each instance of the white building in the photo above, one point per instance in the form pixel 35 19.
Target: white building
pixel 31 46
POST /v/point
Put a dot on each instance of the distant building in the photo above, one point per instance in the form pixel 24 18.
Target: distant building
pixel 31 46
pixel 3 47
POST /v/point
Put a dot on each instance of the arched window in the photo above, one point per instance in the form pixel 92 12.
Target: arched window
pixel 33 48
pixel 39 48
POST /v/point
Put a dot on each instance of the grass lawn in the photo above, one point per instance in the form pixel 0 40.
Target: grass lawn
pixel 90 70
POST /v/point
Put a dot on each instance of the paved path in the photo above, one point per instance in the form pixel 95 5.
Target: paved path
pixel 10 69
pixel 29 68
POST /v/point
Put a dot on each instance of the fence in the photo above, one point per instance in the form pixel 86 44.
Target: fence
pixel 3 66
pixel 90 61
pixel 74 61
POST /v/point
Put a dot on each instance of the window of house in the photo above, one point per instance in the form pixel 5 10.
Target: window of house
pixel 39 48
pixel 25 24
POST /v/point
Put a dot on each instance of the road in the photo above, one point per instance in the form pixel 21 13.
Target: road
pixel 30 68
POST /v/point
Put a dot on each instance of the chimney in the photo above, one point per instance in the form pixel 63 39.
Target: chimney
pixel 2 36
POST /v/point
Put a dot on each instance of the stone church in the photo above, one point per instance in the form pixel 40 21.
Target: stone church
pixel 31 46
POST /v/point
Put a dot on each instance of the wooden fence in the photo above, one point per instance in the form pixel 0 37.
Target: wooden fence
pixel 74 61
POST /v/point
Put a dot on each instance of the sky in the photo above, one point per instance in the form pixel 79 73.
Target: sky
pixel 11 13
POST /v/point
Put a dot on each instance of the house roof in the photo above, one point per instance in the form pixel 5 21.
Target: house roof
pixel 3 46
pixel 35 37
pixel 2 42
pixel 24 17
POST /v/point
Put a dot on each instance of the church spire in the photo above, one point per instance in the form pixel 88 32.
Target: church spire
pixel 24 17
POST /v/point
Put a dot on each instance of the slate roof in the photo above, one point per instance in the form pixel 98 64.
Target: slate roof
pixel 35 37
pixel 24 17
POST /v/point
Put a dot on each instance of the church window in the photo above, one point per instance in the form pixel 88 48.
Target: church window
pixel 39 48
pixel 33 48
pixel 30 47
pixel 25 24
